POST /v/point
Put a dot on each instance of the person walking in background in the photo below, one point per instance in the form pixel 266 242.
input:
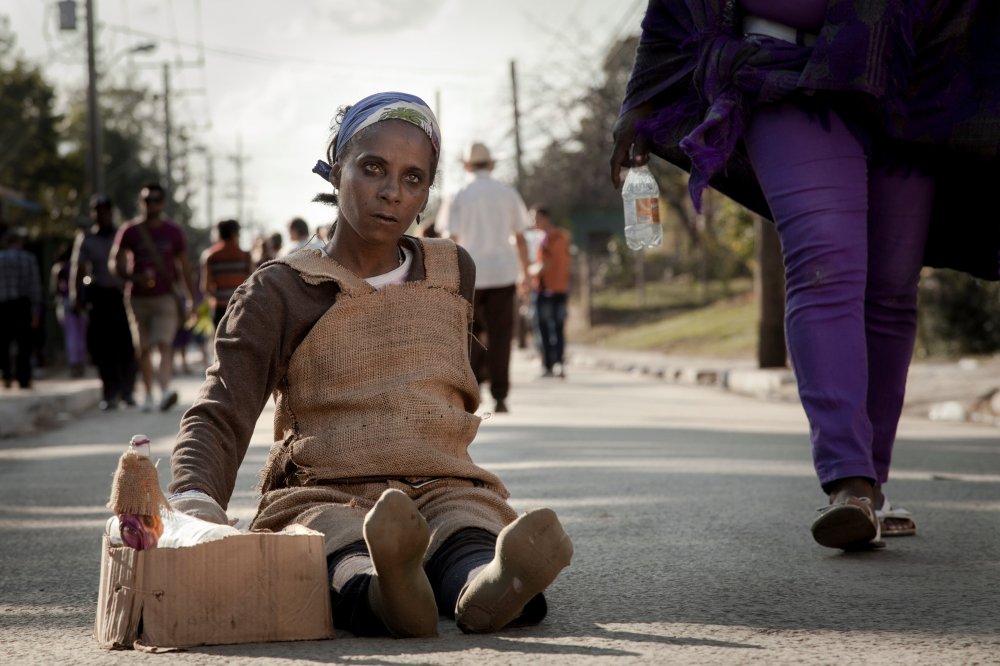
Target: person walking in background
pixel 862 130
pixel 70 314
pixel 550 273
pixel 299 237
pixel 488 218
pixel 274 244
pixel 150 254
pixel 20 307
pixel 261 251
pixel 188 331
pixel 94 287
pixel 224 267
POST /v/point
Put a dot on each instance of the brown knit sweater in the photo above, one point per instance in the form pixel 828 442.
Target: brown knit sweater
pixel 267 318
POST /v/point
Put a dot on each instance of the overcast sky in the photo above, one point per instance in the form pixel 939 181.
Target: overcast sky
pixel 270 75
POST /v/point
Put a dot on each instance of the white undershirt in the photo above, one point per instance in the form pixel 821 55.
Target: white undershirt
pixel 395 276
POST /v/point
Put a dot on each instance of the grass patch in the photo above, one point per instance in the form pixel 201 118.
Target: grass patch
pixel 673 321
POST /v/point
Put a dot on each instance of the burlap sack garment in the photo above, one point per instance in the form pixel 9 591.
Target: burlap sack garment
pixel 380 394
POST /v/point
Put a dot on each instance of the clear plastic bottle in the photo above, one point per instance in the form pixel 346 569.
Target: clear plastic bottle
pixel 641 198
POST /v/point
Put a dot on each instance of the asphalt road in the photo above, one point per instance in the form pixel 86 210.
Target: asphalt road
pixel 689 508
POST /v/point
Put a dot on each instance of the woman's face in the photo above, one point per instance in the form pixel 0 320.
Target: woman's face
pixel 384 179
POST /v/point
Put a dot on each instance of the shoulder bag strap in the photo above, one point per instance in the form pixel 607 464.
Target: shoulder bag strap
pixel 147 240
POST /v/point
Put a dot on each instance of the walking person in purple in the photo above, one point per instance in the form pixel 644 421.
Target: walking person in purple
pixel 71 315
pixel 868 132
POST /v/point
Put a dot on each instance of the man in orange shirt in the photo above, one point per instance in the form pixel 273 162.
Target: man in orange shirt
pixel 550 277
pixel 224 267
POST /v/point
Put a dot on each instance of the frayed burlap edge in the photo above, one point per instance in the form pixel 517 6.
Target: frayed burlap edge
pixel 135 488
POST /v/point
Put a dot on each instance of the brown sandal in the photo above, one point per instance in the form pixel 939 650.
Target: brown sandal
pixel 850 524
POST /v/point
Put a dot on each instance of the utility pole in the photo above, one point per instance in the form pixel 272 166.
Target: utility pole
pixel 769 288
pixel 95 138
pixel 517 128
pixel 210 187
pixel 168 130
pixel 238 160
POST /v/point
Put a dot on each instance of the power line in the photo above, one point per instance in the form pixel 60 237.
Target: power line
pixel 280 59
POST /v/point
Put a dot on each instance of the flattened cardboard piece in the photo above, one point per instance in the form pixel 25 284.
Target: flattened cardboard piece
pixel 242 589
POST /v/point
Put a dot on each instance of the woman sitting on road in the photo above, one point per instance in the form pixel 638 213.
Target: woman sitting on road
pixel 365 346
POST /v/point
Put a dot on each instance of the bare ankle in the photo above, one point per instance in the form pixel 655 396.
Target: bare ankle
pixel 854 486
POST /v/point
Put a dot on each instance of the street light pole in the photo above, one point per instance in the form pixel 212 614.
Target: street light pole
pixel 95 138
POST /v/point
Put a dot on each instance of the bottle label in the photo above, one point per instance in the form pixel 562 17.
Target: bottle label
pixel 647 210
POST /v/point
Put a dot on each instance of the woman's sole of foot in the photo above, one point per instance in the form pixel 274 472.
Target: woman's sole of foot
pixel 399 593
pixel 530 553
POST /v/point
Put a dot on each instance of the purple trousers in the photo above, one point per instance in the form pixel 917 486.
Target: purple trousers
pixel 853 240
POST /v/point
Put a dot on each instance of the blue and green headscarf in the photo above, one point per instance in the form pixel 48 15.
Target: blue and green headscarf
pixel 383 106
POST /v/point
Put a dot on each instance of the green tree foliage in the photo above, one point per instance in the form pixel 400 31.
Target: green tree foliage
pixel 127 116
pixel 573 173
pixel 30 161
pixel 958 315
pixel 44 152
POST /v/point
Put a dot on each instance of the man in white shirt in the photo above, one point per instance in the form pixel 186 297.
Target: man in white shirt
pixel 488 218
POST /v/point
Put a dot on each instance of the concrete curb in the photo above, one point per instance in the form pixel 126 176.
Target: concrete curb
pixel 45 406
pixel 761 383
pixel 738 377
pixel 969 404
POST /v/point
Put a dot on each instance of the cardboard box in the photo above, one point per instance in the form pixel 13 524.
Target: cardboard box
pixel 242 589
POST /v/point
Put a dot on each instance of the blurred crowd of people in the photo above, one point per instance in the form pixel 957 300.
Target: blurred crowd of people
pixel 125 296
pixel 128 295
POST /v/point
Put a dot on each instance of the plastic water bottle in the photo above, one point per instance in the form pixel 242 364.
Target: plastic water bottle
pixel 179 531
pixel 138 480
pixel 641 197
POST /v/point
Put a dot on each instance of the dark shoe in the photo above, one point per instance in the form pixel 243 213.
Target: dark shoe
pixel 169 400
pixel 107 405
pixel 849 525
pixel 500 408
pixel 129 401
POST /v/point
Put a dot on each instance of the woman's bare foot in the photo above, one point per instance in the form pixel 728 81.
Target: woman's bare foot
pixel 530 553
pixel 894 520
pixel 399 593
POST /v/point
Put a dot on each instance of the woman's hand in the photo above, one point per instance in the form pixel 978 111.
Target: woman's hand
pixel 628 150
pixel 199 505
